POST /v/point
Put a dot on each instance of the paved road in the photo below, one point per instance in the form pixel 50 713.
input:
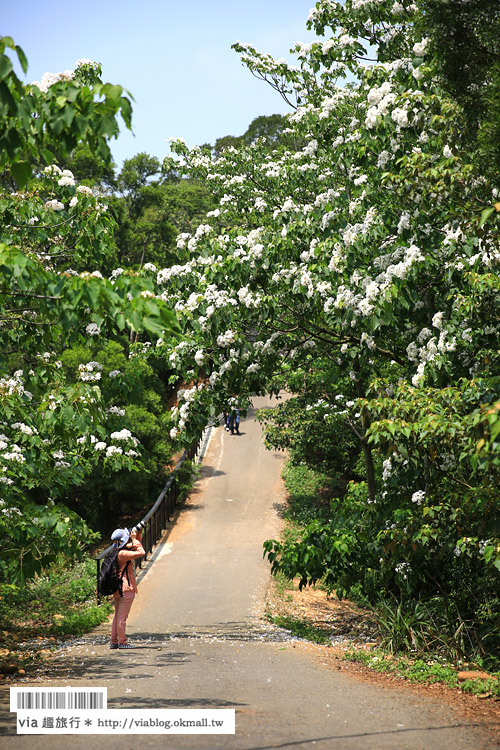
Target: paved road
pixel 202 642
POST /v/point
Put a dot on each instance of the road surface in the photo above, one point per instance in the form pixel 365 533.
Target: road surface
pixel 203 643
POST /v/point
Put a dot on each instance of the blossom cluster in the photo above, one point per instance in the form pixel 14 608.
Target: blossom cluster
pixel 90 372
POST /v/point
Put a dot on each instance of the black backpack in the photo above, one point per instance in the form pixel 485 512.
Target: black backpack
pixel 109 580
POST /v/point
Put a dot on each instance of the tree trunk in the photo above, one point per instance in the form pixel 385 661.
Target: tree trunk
pixel 367 451
pixel 370 471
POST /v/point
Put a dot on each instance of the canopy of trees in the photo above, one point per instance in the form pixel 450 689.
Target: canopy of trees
pixel 361 272
pixel 350 255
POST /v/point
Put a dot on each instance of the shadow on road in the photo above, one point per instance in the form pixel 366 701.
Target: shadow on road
pixel 209 471
pixel 149 703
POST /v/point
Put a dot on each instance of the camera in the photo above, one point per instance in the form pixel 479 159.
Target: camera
pixel 139 526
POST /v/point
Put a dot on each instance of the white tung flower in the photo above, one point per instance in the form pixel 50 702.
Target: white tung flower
pixel 84 190
pixel 418 497
pixel 54 205
pixel 420 47
pixel 404 222
pixel 112 450
pixel 437 320
pixel 93 329
pixel 121 435
pixel 400 117
pixel 66 181
pixel 226 338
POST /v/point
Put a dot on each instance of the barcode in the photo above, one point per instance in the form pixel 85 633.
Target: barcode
pixel 57 698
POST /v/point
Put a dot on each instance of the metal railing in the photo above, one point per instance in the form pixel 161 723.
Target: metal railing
pixel 156 519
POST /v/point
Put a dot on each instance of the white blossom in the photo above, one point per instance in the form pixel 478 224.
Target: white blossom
pixel 54 205
pixel 93 329
pixel 418 497
pixel 113 450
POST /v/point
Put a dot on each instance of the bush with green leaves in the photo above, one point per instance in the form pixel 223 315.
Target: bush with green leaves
pixel 62 601
pixel 134 395
pixel 444 600
pixel 312 435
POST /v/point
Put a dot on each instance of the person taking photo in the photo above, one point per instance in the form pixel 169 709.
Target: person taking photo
pixel 130 548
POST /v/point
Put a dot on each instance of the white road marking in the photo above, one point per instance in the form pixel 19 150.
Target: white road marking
pixel 166 549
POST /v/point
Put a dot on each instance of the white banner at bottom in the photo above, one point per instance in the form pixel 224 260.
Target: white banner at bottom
pixel 128 721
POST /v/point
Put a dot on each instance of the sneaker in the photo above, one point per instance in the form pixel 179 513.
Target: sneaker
pixel 126 645
pixel 113 645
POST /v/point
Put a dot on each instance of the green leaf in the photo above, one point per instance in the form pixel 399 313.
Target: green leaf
pixel 23 60
pixel 21 172
pixel 485 214
pixel 68 115
pixel 112 92
pixel 7 41
pixel 120 321
pixel 126 112
pixel 5 66
pixel 82 124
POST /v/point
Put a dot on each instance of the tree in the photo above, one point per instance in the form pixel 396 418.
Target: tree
pixel 152 212
pixel 227 141
pixel 137 171
pixel 90 169
pixel 365 250
pixel 135 397
pixel 266 126
pixel 466 40
pixel 270 127
pixel 79 95
pixel 54 428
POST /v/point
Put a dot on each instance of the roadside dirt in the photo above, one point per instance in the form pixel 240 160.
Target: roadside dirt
pixel 335 618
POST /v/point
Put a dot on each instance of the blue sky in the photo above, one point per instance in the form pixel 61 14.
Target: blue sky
pixel 175 59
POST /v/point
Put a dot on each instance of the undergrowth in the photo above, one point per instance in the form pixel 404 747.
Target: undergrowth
pixel 59 603
pixel 416 641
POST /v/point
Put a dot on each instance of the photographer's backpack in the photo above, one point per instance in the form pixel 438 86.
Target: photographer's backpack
pixel 109 580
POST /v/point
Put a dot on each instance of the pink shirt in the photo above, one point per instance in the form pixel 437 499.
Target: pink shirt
pixel 124 556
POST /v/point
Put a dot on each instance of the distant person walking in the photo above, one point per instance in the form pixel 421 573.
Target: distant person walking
pixel 233 420
pixel 130 548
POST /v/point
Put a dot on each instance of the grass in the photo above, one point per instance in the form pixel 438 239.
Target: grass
pixel 309 497
pixel 62 602
pixel 282 585
pixel 424 671
pixel 420 670
pixel 301 628
pixel 59 604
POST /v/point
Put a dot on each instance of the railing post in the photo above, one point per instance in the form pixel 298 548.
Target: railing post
pixel 98 576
